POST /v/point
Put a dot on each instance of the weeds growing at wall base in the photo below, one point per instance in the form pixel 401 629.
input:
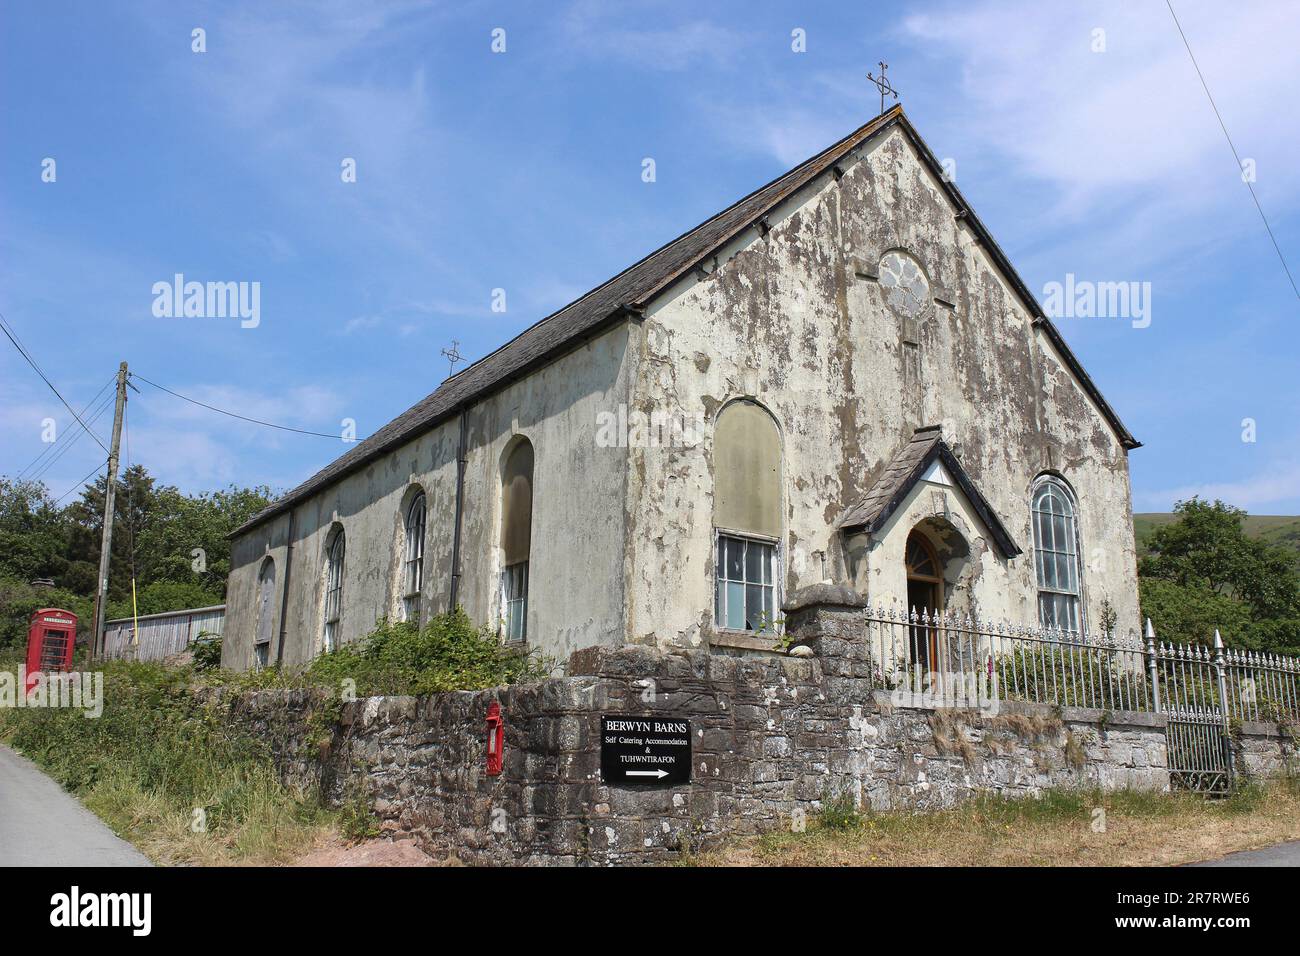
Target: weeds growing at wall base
pixel 1052 829
pixel 172 774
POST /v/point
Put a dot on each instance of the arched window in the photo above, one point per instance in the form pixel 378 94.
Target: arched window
pixel 1056 555
pixel 413 566
pixel 746 517
pixel 516 538
pixel 265 609
pixel 334 590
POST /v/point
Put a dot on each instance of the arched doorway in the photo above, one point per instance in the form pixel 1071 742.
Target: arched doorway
pixel 924 596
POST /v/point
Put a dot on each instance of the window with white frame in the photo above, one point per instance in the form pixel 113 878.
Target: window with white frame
pixel 413 567
pixel 334 591
pixel 1056 556
pixel 747 505
pixel 516 539
pixel 514 599
pixel 745 592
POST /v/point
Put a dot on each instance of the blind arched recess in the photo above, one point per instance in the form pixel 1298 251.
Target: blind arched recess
pixel 747 470
pixel 517 504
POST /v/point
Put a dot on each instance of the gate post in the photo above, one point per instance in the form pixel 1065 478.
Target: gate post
pixel 1219 667
pixel 1152 670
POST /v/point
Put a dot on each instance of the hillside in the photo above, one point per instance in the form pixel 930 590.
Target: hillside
pixel 1275 529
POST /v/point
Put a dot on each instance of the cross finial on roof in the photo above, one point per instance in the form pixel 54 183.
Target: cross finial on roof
pixel 882 83
pixel 453 356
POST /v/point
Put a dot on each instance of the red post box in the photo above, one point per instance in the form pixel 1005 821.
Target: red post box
pixel 51 639
pixel 496 726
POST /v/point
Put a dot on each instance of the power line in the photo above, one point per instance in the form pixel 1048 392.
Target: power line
pixel 96 416
pixel 1235 154
pixel 60 446
pixel 22 350
pixel 243 418
pixel 79 484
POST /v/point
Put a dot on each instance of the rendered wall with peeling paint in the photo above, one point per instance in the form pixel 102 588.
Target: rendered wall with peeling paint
pixel 797 320
pixel 577 535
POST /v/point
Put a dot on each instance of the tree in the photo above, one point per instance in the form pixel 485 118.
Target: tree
pixel 1204 573
pixel 32 539
pixel 174 545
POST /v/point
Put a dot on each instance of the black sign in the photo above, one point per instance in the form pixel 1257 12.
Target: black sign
pixel 645 749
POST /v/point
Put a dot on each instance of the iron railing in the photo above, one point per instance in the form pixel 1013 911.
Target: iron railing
pixel 949 660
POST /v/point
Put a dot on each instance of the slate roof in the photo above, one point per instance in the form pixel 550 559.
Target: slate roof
pixel 907 467
pixel 627 294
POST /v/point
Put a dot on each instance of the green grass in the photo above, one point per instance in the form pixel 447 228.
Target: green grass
pixel 1058 827
pixel 185 783
pixel 168 773
pixel 1275 529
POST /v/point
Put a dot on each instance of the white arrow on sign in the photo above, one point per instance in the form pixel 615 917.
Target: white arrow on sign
pixel 647 773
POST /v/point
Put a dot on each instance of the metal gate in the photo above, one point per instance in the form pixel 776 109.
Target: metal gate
pixel 1200 754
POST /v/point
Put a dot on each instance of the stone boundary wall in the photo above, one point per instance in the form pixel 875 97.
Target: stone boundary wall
pixel 772 735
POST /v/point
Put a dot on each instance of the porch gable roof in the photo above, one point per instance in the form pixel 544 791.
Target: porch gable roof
pixel 871 512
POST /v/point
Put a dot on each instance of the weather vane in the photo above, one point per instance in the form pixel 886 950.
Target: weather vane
pixel 453 356
pixel 882 84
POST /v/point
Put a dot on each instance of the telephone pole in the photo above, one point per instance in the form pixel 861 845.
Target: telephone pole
pixel 110 493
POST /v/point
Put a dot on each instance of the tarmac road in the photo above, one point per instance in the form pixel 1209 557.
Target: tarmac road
pixel 41 825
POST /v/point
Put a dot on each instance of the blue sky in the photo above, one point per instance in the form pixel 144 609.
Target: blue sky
pixel 522 171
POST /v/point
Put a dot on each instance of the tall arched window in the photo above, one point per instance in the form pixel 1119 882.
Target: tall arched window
pixel 413 566
pixel 1056 555
pixel 334 590
pixel 265 610
pixel 746 517
pixel 516 539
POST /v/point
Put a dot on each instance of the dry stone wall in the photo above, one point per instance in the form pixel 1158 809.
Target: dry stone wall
pixel 772 737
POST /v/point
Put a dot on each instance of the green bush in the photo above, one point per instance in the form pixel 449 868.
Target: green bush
pixel 207 651
pixel 448 653
pixel 161 596
pixel 1069 676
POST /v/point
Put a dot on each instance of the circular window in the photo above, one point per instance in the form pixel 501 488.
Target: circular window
pixel 905 285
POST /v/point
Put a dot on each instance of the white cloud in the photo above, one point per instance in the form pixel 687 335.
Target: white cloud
pixel 590 29
pixel 1277 487
pixel 1129 129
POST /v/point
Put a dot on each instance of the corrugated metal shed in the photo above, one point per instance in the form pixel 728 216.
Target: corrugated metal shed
pixel 161 635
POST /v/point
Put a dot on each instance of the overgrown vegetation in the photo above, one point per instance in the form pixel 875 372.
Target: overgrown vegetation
pixel 168 773
pixel 206 651
pixel 158 762
pixel 448 653
pixel 839 811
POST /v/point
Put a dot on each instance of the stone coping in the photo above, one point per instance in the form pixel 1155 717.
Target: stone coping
pixel 884 700
pixel 745 642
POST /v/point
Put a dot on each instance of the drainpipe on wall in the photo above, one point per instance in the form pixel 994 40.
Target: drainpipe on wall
pixel 284 599
pixel 460 510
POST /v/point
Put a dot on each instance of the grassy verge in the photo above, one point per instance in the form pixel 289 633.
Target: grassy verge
pixel 168 774
pixel 177 779
pixel 1063 828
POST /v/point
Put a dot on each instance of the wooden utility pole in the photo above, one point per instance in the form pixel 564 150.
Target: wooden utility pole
pixel 110 493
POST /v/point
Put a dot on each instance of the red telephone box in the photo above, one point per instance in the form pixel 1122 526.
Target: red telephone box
pixel 51 639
